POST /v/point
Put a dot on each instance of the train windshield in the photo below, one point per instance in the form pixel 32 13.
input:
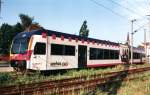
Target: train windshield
pixel 20 46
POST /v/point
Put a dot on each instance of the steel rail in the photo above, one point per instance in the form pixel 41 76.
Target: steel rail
pixel 67 85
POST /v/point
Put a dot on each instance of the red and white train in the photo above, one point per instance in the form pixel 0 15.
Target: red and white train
pixel 51 50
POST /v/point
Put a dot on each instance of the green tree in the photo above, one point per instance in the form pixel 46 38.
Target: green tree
pixel 26 21
pixel 3 42
pixel 28 24
pixel 84 31
pixel 7 33
pixel 14 31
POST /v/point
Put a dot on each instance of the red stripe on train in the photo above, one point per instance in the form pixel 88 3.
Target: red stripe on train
pixel 103 65
pixel 4 58
pixel 109 64
pixel 25 56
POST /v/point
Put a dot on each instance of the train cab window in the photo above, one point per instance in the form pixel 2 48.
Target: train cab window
pixel 40 48
pixel 20 46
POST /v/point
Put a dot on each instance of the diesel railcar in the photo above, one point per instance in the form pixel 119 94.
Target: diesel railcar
pixel 51 50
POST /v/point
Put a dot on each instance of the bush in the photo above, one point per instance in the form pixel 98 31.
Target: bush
pixel 5 78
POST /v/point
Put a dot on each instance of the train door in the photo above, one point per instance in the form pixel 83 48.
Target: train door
pixel 39 56
pixel 82 56
pixel 125 55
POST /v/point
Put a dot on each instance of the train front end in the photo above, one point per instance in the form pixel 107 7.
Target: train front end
pixel 20 53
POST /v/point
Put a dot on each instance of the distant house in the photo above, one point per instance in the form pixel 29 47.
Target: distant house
pixel 146 46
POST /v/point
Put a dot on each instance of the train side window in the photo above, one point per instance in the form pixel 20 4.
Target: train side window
pixel 100 54
pixel 116 54
pixel 136 55
pixel 69 50
pixel 93 53
pixel 40 48
pixel 57 49
pixel 106 54
pixel 112 54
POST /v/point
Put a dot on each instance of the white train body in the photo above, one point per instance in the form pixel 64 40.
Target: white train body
pixel 51 50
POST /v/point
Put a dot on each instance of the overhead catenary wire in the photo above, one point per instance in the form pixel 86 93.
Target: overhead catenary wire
pixel 138 4
pixel 123 17
pixel 133 5
pixel 128 9
pixel 140 27
pixel 109 9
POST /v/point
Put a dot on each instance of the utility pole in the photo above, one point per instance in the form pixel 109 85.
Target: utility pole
pixel 149 27
pixel 145 44
pixel 148 41
pixel 132 32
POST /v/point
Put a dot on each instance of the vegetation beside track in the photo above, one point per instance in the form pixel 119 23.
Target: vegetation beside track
pixel 138 86
pixel 10 79
pixel 14 79
pixel 113 84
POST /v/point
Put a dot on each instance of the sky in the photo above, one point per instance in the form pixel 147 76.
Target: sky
pixel 106 19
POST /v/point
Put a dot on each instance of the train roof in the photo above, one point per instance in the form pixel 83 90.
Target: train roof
pixel 59 34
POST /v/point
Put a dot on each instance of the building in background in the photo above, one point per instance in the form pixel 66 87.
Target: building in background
pixel 146 46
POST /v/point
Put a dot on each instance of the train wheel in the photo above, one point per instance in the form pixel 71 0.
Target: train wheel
pixel 20 70
pixel 15 69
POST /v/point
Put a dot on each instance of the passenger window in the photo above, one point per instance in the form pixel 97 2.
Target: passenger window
pixel 40 48
pixel 57 49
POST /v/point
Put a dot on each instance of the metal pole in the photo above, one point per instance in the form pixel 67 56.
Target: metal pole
pixel 149 31
pixel 148 40
pixel 148 43
pixel 132 21
pixel 132 48
pixel 145 44
pixel 149 28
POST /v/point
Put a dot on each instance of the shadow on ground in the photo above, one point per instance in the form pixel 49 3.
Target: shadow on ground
pixel 110 87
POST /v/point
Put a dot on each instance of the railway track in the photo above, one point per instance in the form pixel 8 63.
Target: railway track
pixel 70 85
